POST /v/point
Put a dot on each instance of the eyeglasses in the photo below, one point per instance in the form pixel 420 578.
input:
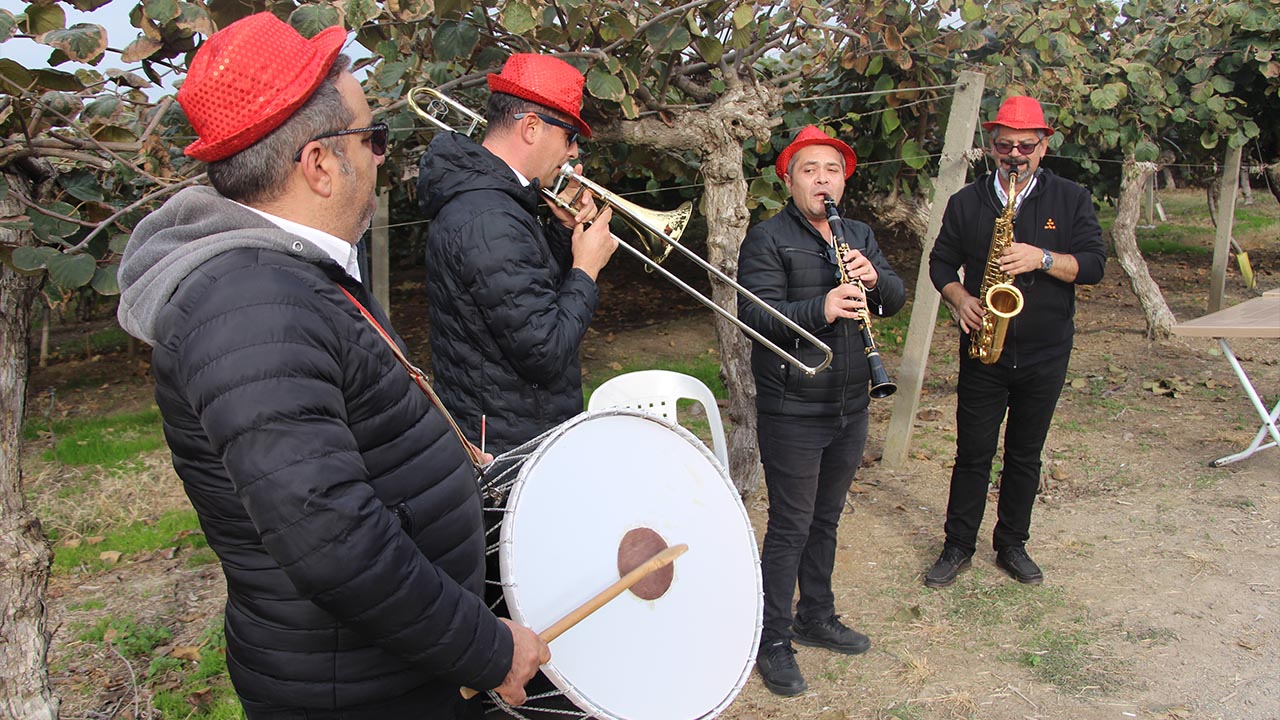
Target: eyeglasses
pixel 1026 147
pixel 377 139
pixel 571 130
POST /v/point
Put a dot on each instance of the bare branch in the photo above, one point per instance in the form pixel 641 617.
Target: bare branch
pixel 28 204
pixel 149 197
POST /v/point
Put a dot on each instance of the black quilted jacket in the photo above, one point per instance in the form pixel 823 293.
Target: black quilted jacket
pixel 784 262
pixel 342 507
pixel 508 311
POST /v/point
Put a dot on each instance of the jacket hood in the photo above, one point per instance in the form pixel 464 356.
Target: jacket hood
pixel 170 243
pixel 454 164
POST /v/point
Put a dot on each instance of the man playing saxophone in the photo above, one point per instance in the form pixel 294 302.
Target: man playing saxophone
pixel 1049 243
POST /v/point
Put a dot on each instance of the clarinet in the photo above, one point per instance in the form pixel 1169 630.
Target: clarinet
pixel 881 385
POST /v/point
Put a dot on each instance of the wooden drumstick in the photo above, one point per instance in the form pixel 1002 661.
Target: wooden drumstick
pixel 580 613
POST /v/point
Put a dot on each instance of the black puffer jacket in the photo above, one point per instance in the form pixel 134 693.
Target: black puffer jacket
pixel 784 261
pixel 1058 215
pixel 342 507
pixel 508 311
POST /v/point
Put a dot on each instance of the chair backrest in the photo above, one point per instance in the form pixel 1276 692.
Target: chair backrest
pixel 656 392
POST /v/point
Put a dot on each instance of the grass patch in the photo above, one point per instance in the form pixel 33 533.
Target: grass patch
pixel 88 605
pixel 103 441
pixel 130 638
pixel 1065 660
pixel 704 367
pixel 973 602
pixel 177 528
pixel 199 689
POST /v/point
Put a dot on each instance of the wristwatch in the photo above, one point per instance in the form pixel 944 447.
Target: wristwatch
pixel 1047 263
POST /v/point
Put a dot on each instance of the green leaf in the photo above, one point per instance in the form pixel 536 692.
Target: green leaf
pixel 455 40
pixel 617 26
pixel 161 11
pixel 605 86
pixel 889 122
pixel 7 23
pixel 630 110
pixel 81 185
pixel 359 12
pixel 71 271
pixel 118 243
pixel 913 155
pixel 140 49
pixel 311 20
pixel 1208 139
pixel 105 281
pixel 50 229
pixel 30 259
pixel 710 49
pixel 411 10
pixel 58 80
pixel 518 18
pixel 1104 98
pixel 41 19
pixel 668 38
pixel 743 16
pixel 971 11
pixel 16 74
pixel 81 42
pixel 103 110
pixel 1146 151
pixel 63 103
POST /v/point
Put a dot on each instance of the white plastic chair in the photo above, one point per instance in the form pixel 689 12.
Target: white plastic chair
pixel 656 392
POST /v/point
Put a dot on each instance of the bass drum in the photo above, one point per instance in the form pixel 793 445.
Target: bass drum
pixel 676 650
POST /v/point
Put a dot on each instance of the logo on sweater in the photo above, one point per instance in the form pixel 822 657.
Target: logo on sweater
pixel 1049 224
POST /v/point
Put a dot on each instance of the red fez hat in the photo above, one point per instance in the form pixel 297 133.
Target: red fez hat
pixel 248 78
pixel 811 135
pixel 1020 113
pixel 545 80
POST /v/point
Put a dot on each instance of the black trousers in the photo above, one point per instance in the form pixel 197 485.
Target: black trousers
pixel 985 393
pixel 410 707
pixel 809 464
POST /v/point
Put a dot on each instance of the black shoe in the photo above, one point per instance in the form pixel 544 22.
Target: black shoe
pixel 832 635
pixel 776 663
pixel 951 563
pixel 1015 561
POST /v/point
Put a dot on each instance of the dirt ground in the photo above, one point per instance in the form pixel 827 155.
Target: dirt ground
pixel 1162 591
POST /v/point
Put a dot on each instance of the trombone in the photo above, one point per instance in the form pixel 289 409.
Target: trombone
pixel 650 225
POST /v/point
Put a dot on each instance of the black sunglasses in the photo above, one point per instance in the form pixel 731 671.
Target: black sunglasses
pixel 571 130
pixel 377 139
pixel 1026 147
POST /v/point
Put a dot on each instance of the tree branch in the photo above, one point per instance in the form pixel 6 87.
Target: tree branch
pixel 135 205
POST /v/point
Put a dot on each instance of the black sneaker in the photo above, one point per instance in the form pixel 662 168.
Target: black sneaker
pixel 776 663
pixel 951 563
pixel 1015 561
pixel 832 635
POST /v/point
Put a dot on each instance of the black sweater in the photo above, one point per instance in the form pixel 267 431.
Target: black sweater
pixel 1058 215
pixel 784 262
pixel 508 310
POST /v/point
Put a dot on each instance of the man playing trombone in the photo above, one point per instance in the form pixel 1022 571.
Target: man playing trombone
pixel 511 296
pixel 811 430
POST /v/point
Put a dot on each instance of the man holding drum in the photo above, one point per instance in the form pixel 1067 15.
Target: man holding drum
pixel 811 430
pixel 340 504
pixel 511 295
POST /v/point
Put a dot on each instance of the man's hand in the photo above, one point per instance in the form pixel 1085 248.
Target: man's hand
pixel 528 652
pixel 586 204
pixel 1021 258
pixel 594 245
pixel 860 267
pixel 967 309
pixel 844 300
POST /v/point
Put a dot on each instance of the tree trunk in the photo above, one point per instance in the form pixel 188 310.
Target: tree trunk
pixel 1124 236
pixel 24 552
pixel 740 114
pixel 1273 179
pixel 908 214
pixel 1246 189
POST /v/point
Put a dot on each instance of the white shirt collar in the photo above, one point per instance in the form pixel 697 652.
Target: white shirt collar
pixel 519 176
pixel 342 252
pixel 1004 195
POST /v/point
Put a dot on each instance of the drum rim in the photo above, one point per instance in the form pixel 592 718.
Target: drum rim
pixel 546 441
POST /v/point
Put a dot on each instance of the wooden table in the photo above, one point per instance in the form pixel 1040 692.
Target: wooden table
pixel 1256 318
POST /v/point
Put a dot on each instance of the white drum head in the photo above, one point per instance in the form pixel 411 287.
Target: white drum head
pixel 685 654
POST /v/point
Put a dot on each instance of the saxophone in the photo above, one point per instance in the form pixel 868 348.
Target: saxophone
pixel 999 297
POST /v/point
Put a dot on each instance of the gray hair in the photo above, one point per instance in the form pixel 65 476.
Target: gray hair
pixel 259 172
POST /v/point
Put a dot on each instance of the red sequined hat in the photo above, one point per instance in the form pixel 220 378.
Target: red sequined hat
pixel 1020 113
pixel 248 78
pixel 811 135
pixel 545 80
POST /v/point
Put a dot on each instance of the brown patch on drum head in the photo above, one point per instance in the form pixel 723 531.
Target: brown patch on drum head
pixel 636 548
